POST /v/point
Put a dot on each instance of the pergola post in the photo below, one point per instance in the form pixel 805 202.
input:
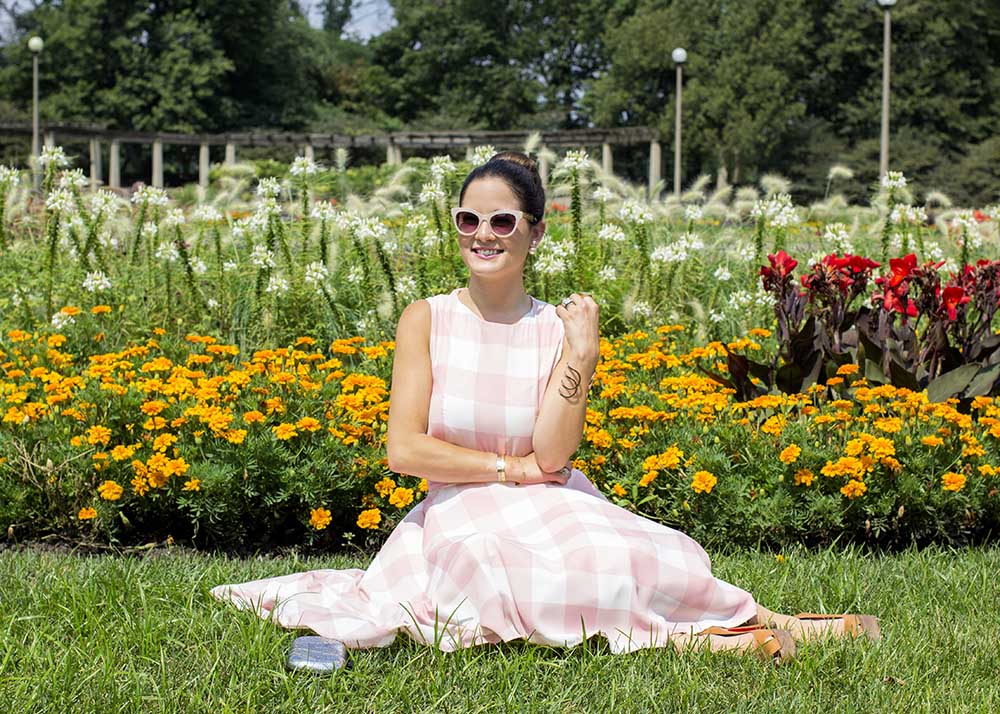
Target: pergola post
pixel 393 154
pixel 655 161
pixel 607 162
pixel 114 164
pixel 95 164
pixel 469 152
pixel 50 139
pixel 308 152
pixel 230 153
pixel 543 166
pixel 157 163
pixel 203 165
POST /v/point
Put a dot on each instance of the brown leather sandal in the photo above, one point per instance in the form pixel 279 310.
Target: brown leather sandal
pixel 772 644
pixel 854 625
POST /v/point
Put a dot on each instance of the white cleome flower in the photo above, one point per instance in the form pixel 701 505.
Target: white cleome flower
pixel 371 229
pixel 716 316
pixel 212 303
pixel 61 320
pixel 550 263
pixel 207 214
pixel 838 237
pixel 894 179
pixel 641 308
pixel 174 218
pixel 322 211
pixel 96 281
pixel 355 275
pixel 431 193
pixel 316 273
pixel 635 212
pixel 693 213
pixel 9 177
pixel 574 161
pixel 303 166
pixel 406 286
pixel 441 168
pixel 777 211
pixel 53 155
pixel 432 238
pixel 73 178
pixel 59 201
pixel 151 196
pixel 229 266
pixel 268 188
pixel 261 257
pixel 198 266
pixel 482 154
pixel 602 194
pixel 149 230
pixel 167 251
pixel 102 202
pixel 905 213
pixel 608 273
pixel 722 274
pixel 277 285
pixel 612 233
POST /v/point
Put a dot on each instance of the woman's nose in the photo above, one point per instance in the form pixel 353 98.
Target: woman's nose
pixel 484 231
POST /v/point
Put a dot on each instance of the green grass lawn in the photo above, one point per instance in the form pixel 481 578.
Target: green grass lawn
pixel 141 634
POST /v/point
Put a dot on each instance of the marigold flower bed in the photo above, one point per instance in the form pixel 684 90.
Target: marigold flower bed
pixel 191 440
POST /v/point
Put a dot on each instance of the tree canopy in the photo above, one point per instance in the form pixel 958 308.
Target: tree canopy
pixel 791 86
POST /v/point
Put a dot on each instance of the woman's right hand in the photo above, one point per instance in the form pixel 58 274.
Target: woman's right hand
pixel 527 471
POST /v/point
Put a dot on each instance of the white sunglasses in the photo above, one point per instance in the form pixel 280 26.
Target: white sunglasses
pixel 501 223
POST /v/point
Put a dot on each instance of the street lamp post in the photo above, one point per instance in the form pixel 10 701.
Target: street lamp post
pixel 679 56
pixel 883 164
pixel 35 44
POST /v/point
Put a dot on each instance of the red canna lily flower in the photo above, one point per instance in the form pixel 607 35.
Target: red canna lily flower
pixel 783 263
pixel 901 268
pixel 951 298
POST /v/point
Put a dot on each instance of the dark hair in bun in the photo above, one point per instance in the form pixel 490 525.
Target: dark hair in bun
pixel 520 173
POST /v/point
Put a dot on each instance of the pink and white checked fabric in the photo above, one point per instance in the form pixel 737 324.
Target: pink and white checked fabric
pixel 484 563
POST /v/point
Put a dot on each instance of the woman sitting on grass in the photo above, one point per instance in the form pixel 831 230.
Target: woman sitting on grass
pixel 489 395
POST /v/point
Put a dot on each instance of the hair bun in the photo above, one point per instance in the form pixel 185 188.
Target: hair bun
pixel 516 157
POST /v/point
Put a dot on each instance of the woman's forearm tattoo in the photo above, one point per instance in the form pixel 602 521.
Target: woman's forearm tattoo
pixel 570 383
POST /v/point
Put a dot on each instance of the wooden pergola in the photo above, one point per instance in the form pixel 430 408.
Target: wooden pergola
pixel 393 143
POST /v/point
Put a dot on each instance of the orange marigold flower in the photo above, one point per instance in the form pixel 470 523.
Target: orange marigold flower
pixel 309 424
pixel 98 435
pixel 369 518
pixel 846 369
pixel 401 497
pixel 804 477
pixel 192 485
pixel 618 489
pixel 253 417
pixel 790 454
pixel 110 491
pixel 703 481
pixel 86 514
pixel 423 485
pixel 320 518
pixel 854 488
pixel 932 441
pixel 100 309
pixel 952 481
pixel 284 431
pixel 648 477
pixel 385 487
pixel 70 310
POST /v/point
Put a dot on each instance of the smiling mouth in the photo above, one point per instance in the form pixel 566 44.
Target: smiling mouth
pixel 487 251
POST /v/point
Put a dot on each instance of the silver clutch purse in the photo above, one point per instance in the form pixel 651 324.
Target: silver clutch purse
pixel 318 654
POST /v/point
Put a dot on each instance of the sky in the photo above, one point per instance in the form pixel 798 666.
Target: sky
pixel 368 17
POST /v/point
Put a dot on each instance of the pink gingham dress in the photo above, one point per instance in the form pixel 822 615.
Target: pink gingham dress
pixel 489 562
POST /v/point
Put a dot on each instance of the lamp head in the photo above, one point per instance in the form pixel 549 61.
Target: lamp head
pixel 679 55
pixel 886 3
pixel 35 44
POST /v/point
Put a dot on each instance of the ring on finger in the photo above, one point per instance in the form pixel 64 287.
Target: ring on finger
pixel 568 301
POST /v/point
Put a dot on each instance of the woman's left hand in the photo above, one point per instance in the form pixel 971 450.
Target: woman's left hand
pixel 580 320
